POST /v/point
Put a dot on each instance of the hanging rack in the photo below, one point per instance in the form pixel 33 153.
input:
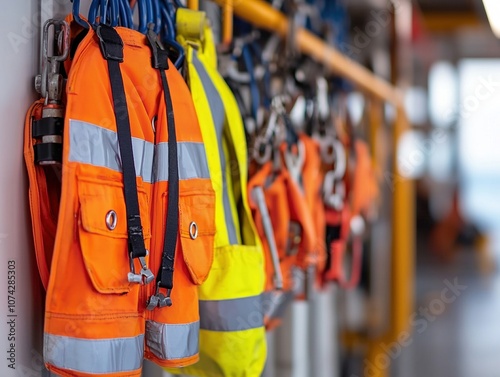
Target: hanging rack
pixel 262 15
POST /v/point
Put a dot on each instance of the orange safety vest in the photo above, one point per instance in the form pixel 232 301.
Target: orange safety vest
pixel 96 319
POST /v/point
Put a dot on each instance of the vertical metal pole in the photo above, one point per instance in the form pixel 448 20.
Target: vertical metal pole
pixel 324 336
pixel 300 339
pixel 403 260
pixel 403 206
pixel 227 22
pixel 193 4
pixel 270 369
pixel 284 347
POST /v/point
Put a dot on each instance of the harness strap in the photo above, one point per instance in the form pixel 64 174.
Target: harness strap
pixel 165 276
pixel 112 50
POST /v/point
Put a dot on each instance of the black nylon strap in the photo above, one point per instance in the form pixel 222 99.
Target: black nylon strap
pixel 112 50
pixel 166 274
pixel 165 277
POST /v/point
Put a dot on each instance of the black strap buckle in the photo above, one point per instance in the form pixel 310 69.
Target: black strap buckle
pixel 159 59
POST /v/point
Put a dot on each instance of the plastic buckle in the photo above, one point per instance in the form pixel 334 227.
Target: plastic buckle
pixel 159 300
pixel 160 55
pixel 145 276
pixel 110 43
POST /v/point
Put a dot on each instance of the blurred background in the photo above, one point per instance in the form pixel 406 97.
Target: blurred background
pixel 451 73
pixel 444 56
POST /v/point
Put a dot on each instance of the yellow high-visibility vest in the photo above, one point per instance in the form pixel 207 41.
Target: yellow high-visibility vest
pixel 232 334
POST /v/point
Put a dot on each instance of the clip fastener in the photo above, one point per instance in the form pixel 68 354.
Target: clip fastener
pixel 144 277
pixel 159 300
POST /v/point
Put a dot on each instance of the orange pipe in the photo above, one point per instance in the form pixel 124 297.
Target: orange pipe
pixel 227 23
pixel 193 4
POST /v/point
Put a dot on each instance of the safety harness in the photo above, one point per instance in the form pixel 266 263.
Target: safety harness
pixel 112 50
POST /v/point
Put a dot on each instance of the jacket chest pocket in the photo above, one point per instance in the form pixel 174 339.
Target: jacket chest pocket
pixel 103 233
pixel 197 232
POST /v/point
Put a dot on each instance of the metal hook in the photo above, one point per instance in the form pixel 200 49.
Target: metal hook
pixel 295 162
pixel 159 300
pixel 334 191
pixel 76 15
pixel 333 150
pixel 145 276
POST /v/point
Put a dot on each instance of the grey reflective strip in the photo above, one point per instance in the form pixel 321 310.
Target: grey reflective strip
pixel 94 356
pixel 275 303
pixel 232 315
pixel 192 161
pixel 171 342
pixel 98 146
pixel 218 115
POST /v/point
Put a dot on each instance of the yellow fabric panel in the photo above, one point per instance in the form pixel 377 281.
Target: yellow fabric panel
pixel 235 274
pixel 210 139
pixel 238 270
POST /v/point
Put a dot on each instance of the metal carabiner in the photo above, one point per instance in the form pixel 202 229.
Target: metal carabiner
pixel 50 82
pixel 159 300
pixel 334 191
pixel 298 113
pixel 262 148
pixel 322 98
pixel 145 276
pixel 295 162
pixel 258 197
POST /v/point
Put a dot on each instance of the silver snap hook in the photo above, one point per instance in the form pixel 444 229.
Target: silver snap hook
pixel 111 220
pixel 193 230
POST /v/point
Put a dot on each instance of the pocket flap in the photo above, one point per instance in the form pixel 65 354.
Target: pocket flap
pixel 197 231
pixel 103 233
pixel 103 210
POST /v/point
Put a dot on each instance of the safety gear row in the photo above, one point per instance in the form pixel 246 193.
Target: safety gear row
pixel 136 200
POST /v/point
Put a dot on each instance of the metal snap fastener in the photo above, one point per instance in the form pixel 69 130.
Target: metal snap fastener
pixel 111 220
pixel 193 230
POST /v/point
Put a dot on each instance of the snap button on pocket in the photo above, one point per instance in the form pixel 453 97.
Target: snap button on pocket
pixel 193 230
pixel 111 220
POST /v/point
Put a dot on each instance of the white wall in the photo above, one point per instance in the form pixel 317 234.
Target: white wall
pixel 19 46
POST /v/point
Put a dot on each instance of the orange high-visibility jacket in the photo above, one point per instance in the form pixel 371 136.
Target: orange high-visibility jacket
pixel 96 321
